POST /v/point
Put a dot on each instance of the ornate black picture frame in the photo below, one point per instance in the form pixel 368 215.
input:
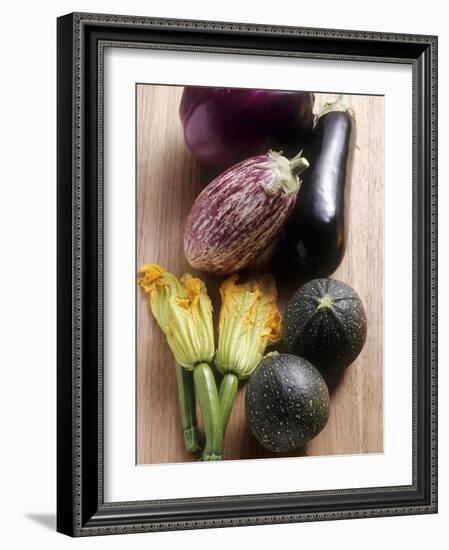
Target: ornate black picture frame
pixel 81 510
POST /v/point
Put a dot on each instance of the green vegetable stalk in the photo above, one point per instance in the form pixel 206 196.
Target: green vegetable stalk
pixel 187 409
pixel 249 321
pixel 183 310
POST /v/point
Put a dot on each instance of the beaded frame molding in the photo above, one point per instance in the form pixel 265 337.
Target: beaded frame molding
pixel 81 510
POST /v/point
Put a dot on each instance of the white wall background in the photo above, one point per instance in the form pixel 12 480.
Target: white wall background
pixel 27 273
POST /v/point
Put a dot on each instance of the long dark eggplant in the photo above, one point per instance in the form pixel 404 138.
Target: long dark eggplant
pixel 315 234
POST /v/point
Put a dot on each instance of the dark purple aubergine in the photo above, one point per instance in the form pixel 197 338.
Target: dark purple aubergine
pixel 223 126
pixel 315 235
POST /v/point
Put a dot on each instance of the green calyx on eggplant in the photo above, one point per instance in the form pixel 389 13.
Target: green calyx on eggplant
pixel 325 322
pixel 286 402
pixel 316 231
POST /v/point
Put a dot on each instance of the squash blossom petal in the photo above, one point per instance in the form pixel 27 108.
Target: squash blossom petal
pixel 249 321
pixel 183 310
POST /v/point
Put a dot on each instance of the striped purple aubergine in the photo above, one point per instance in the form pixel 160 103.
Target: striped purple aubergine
pixel 240 212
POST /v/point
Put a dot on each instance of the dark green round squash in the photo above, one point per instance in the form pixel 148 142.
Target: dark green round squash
pixel 325 322
pixel 286 402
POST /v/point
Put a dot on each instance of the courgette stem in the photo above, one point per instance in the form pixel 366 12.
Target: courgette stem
pixel 228 391
pixel 207 395
pixel 187 408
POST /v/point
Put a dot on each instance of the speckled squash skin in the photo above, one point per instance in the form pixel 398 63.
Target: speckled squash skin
pixel 325 322
pixel 286 402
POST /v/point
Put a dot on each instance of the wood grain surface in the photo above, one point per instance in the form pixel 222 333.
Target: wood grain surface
pixel 168 180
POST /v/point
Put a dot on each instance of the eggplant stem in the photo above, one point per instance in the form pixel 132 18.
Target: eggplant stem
pixel 228 391
pixel 187 409
pixel 286 173
pixel 298 164
pixel 342 104
pixel 207 395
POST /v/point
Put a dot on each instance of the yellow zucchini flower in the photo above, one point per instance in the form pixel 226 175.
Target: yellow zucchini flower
pixel 183 310
pixel 249 321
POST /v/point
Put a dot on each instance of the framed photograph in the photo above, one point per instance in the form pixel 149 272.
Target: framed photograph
pixel 247 274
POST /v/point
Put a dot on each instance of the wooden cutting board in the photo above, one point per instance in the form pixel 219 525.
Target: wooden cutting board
pixel 168 180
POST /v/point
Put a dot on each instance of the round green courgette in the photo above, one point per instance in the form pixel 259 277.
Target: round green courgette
pixel 325 322
pixel 286 402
